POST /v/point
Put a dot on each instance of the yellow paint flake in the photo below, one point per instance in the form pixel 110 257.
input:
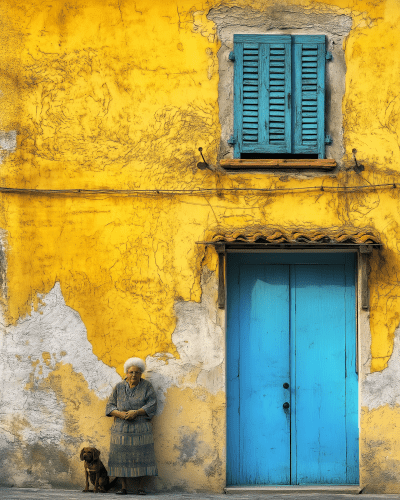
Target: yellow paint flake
pixel 46 358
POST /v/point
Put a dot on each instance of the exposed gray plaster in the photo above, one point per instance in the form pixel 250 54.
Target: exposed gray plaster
pixel 382 388
pixel 200 341
pixel 3 263
pixel 8 143
pixel 32 415
pixel 284 19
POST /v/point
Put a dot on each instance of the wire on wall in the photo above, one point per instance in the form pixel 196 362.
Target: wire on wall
pixel 201 192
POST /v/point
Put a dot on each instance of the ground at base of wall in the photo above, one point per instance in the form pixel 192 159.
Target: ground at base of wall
pixel 50 494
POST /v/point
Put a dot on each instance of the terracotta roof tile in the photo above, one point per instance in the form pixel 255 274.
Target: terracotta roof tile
pixel 276 236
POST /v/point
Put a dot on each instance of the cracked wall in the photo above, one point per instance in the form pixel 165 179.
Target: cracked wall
pixel 120 96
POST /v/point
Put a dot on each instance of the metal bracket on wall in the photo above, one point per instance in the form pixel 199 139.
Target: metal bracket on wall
pixel 220 248
pixel 365 252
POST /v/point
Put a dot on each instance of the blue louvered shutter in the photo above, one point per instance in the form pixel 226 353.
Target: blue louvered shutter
pixel 279 94
pixel 262 94
pixel 309 94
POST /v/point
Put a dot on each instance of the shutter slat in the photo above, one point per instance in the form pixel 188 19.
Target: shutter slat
pixel 309 96
pixel 250 93
pixel 309 102
pixel 279 129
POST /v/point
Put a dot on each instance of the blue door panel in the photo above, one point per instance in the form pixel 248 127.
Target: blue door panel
pixel 291 319
pixel 319 369
pixel 264 428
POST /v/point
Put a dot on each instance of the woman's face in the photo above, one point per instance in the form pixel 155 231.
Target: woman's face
pixel 133 375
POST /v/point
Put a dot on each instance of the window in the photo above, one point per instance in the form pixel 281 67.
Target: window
pixel 279 96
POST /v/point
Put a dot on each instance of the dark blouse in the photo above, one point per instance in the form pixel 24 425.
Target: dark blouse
pixel 124 398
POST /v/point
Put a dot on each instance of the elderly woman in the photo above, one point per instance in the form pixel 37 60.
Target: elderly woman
pixel 132 403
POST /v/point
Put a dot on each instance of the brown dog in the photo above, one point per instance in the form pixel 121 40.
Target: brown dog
pixel 95 469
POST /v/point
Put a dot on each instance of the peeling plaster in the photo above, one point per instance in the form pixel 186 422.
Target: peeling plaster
pixel 8 143
pixel 199 339
pixel 30 413
pixel 383 388
pixel 33 416
pixel 58 330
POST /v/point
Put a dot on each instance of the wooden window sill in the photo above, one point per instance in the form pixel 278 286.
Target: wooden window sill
pixel 238 164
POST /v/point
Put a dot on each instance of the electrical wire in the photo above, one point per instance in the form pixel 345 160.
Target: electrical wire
pixel 201 192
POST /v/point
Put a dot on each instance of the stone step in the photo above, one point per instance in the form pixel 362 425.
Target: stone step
pixel 283 489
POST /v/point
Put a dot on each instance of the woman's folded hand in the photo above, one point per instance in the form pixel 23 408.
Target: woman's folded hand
pixel 131 414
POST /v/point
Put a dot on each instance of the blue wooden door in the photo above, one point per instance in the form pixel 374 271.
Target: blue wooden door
pixel 291 376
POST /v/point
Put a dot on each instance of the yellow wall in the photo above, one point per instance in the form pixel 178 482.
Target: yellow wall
pixel 119 96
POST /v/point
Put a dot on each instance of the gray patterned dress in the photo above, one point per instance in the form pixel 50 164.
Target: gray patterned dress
pixel 132 444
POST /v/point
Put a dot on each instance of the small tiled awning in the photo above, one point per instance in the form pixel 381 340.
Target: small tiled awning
pixel 261 237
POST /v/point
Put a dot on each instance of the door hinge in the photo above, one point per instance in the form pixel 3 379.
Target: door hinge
pixel 231 140
pixel 328 56
pixel 328 139
pixel 231 56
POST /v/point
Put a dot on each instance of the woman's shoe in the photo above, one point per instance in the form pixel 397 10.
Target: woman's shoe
pixel 121 492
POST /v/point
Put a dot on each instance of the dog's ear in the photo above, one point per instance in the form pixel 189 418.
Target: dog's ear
pixel 82 452
pixel 96 454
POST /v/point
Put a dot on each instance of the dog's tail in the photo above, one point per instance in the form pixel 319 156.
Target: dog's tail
pixel 111 484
